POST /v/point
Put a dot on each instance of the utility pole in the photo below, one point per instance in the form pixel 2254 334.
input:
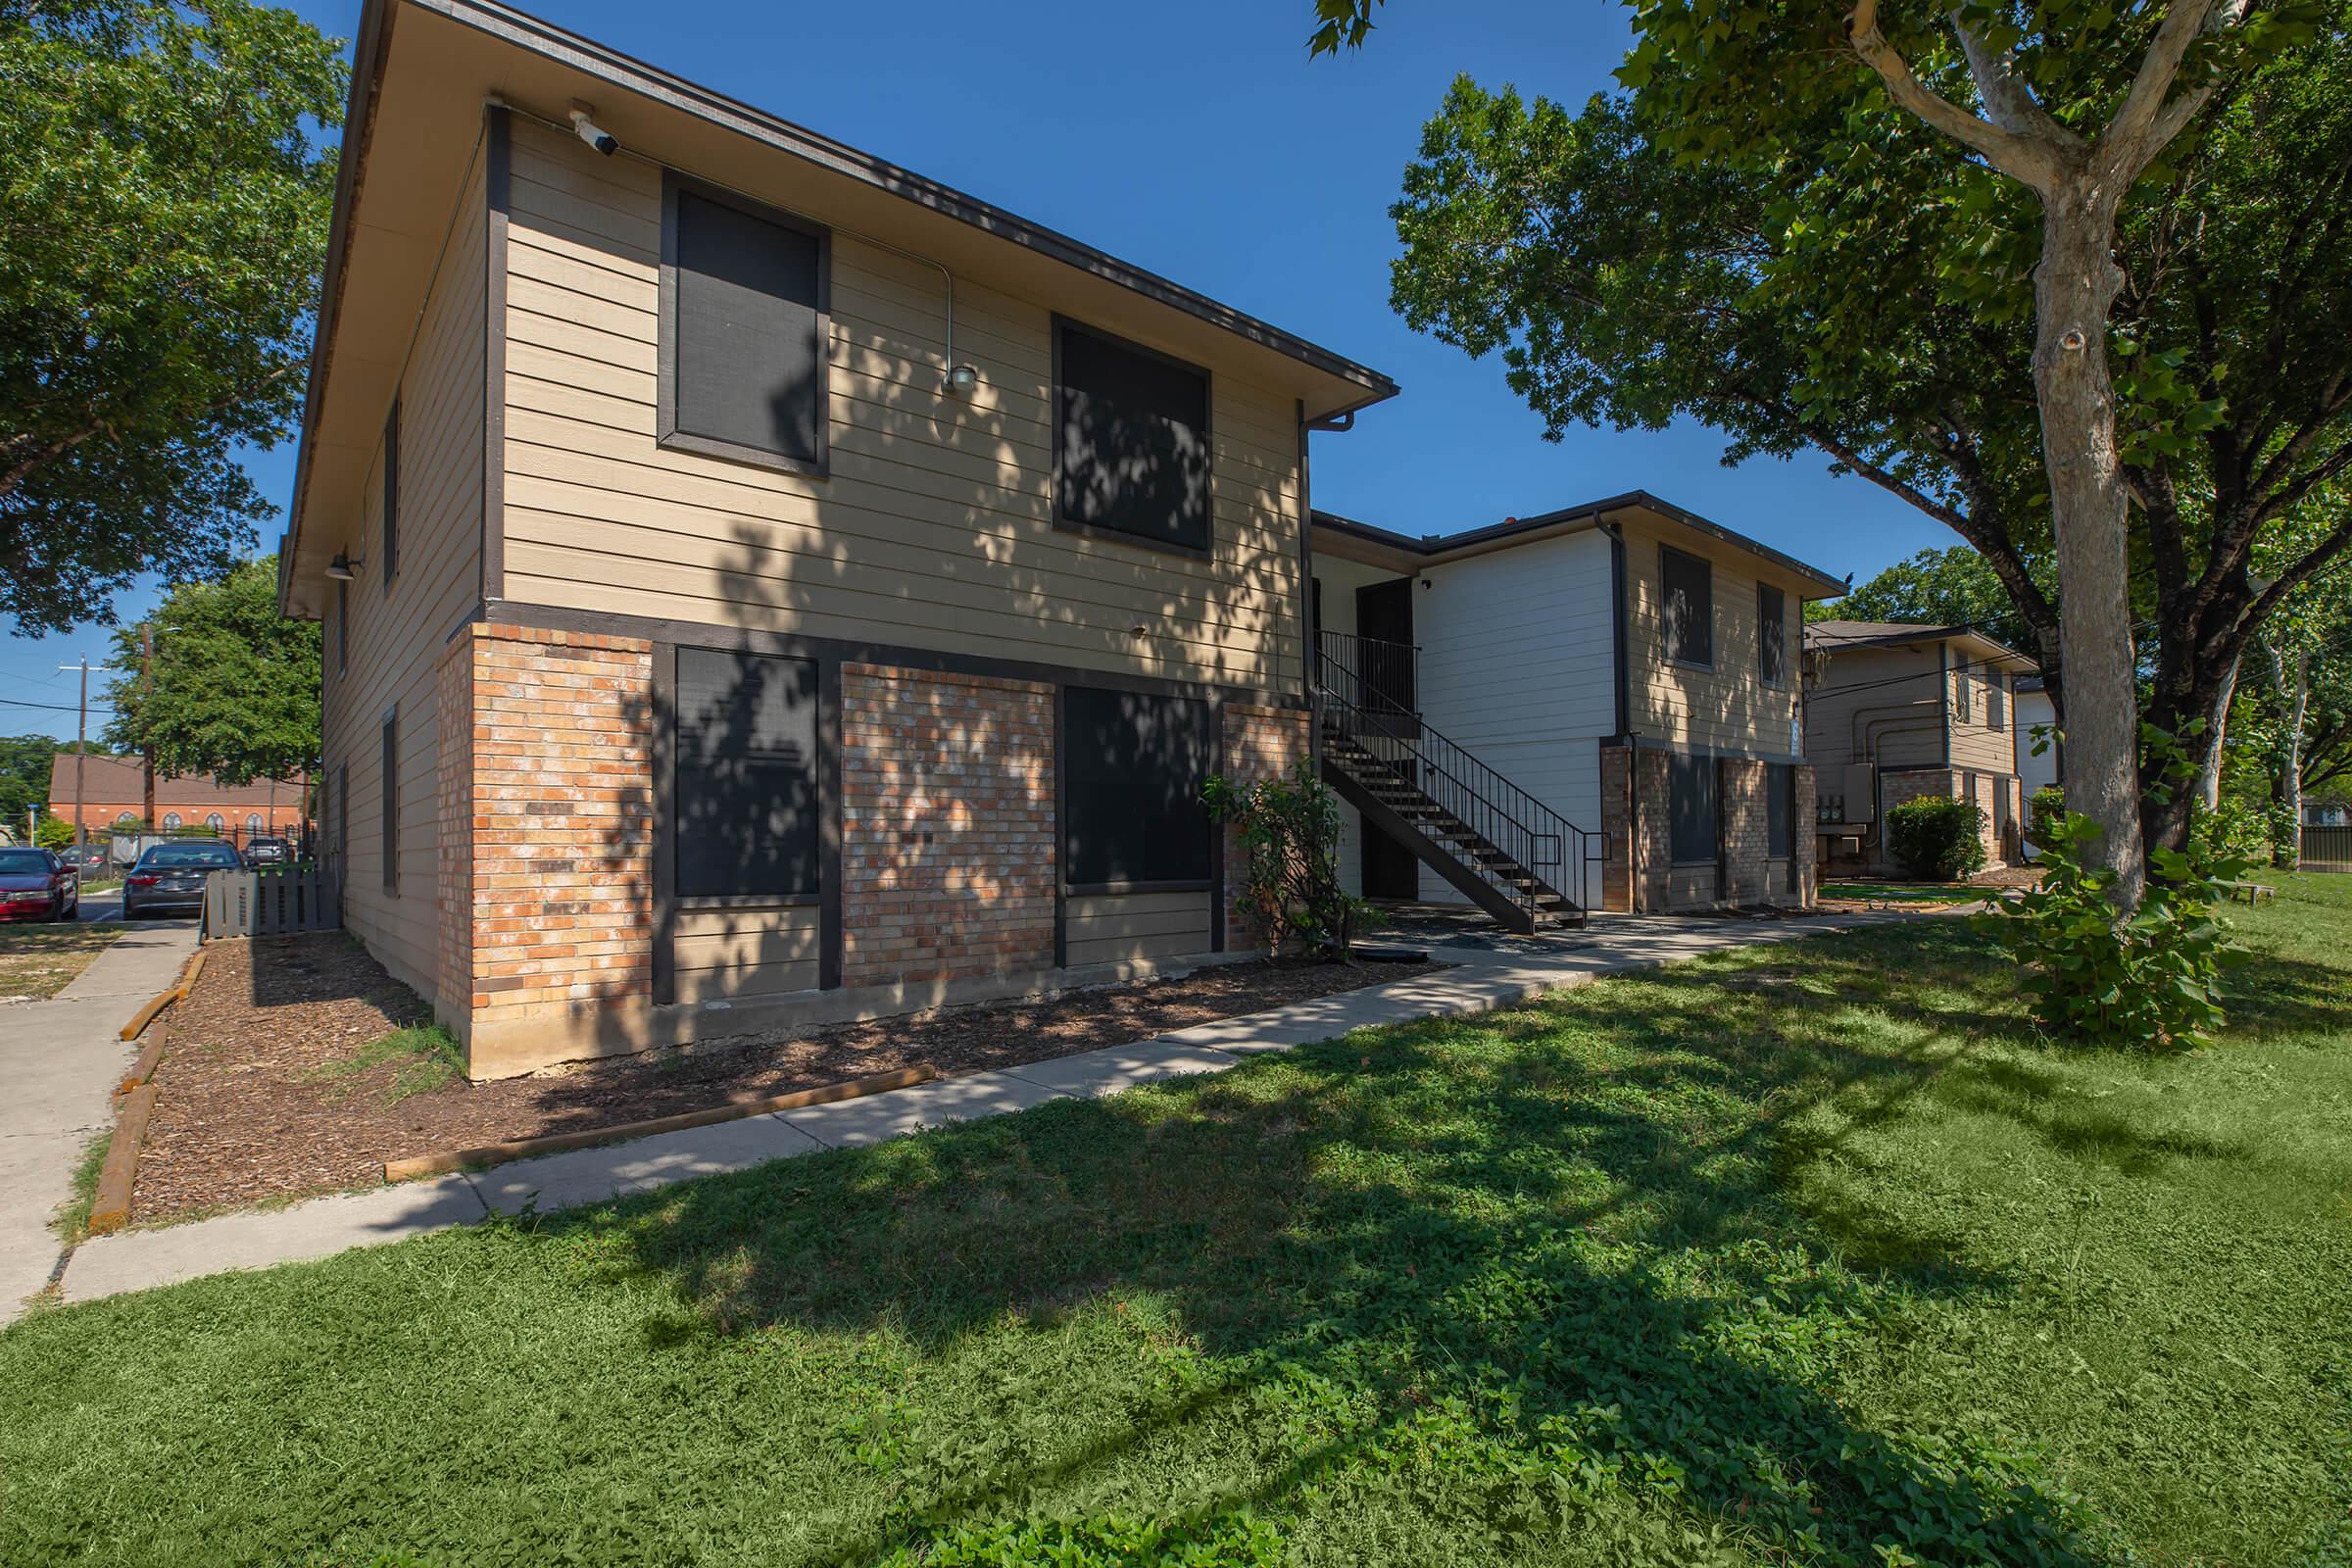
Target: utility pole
pixel 81 748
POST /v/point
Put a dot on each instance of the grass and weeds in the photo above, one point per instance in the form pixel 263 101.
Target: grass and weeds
pixel 421 1058
pixel 40 960
pixel 72 1221
pixel 1811 1254
pixel 1908 892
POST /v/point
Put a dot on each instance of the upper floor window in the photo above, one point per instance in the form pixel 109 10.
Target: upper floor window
pixel 746 330
pixel 1687 605
pixel 1964 694
pixel 1772 634
pixel 1996 701
pixel 1130 440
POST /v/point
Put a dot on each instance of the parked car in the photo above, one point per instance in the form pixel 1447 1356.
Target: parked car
pixel 268 851
pixel 171 876
pixel 37 885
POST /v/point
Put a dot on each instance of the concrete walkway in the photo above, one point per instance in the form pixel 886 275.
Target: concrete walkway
pixel 1479 982
pixel 59 1060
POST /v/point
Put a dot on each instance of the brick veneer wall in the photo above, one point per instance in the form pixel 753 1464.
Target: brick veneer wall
pixel 1952 784
pixel 948 825
pixel 1617 829
pixel 561 856
pixel 1260 744
pixel 1746 830
pixel 1801 840
pixel 1636 832
pixel 453 883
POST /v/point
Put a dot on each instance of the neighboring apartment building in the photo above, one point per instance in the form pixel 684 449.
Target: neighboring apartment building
pixel 1602 700
pixel 114 788
pixel 758 578
pixel 1894 711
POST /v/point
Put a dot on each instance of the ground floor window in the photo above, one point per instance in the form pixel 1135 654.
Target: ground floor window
pixel 1132 770
pixel 745 750
pixel 1696 807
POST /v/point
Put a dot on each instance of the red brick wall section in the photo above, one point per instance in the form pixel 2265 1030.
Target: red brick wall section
pixel 1803 841
pixel 948 825
pixel 562 853
pixel 1617 829
pixel 1654 830
pixel 1746 826
pixel 1260 742
pixel 452 882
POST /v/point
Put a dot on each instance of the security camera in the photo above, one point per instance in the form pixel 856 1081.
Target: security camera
pixel 590 133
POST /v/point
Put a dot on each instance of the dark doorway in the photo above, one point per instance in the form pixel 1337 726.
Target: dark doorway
pixel 1391 870
pixel 1384 614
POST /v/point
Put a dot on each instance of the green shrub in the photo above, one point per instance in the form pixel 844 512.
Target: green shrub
pixel 1936 839
pixel 2044 811
pixel 1291 831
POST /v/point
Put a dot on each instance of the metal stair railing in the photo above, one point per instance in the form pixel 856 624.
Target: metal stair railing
pixel 1371 713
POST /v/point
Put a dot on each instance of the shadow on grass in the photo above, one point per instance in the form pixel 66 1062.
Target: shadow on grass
pixel 1557 1233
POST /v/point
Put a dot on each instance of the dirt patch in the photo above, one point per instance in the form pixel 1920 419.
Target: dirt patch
pixel 274 1085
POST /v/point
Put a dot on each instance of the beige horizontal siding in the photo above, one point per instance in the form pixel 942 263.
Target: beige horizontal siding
pixel 933 527
pixel 396 639
pixel 1109 928
pixel 721 954
pixel 1727 708
pixel 1878 705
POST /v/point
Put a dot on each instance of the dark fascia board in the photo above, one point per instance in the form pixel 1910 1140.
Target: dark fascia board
pixel 1434 547
pixel 527 31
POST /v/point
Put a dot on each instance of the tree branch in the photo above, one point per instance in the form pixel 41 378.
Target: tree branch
pixel 2029 161
pixel 2145 123
pixel 2008 100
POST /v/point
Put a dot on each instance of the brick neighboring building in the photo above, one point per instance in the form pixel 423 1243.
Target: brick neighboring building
pixel 114 788
pixel 729 622
pixel 1902 711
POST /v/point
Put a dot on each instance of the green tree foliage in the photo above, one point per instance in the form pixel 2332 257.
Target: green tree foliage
pixel 162 216
pixel 53 832
pixel 1758 235
pixel 234 687
pixel 1935 588
pixel 24 775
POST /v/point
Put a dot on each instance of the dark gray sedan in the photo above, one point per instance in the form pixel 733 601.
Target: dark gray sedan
pixel 171 876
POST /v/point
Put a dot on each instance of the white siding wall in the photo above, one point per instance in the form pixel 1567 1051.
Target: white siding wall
pixel 1518 667
pixel 1341 578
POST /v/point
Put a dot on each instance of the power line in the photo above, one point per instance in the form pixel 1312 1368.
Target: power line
pixel 53 708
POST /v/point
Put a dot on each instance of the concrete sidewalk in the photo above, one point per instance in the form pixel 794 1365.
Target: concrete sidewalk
pixel 59 1060
pixel 1478 982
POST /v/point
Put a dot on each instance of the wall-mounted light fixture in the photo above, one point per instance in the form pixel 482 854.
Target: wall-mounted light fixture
pixel 342 567
pixel 963 380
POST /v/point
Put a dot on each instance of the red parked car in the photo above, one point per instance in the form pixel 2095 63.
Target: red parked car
pixel 36 885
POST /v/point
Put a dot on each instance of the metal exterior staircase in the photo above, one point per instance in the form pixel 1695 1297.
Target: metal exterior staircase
pixel 1506 850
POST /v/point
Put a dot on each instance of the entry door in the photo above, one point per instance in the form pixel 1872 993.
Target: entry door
pixel 1383 613
pixel 1391 870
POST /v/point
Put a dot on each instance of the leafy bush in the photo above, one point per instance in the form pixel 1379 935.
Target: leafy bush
pixel 53 832
pixel 1936 839
pixel 1291 831
pixel 2043 812
pixel 2149 983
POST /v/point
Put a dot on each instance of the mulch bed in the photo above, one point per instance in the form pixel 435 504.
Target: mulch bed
pixel 256 1101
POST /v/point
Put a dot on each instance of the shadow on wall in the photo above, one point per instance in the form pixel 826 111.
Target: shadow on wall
pixel 1566 1275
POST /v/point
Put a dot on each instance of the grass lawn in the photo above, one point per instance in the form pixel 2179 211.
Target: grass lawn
pixel 1908 892
pixel 1804 1254
pixel 40 960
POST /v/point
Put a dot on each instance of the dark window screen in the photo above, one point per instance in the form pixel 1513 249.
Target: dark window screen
pixel 1997 702
pixel 1780 803
pixel 746 805
pixel 1133 441
pixel 1690 608
pixel 1964 693
pixel 1694 809
pixel 1131 770
pixel 746 366
pixel 391 497
pixel 1772 634
pixel 389 806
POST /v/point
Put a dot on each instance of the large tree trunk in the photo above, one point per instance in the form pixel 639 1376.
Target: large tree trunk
pixel 2073 287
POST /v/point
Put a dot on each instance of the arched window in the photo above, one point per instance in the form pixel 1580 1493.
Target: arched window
pixel 215 822
pixel 171 821
pixel 253 825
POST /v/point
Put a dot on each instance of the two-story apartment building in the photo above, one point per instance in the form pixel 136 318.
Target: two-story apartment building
pixel 1602 699
pixel 1894 711
pixel 762 584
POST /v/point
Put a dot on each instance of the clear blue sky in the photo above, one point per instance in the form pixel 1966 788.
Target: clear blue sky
pixel 1200 142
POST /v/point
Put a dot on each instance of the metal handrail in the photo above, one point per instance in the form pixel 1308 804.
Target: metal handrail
pixel 1497 811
